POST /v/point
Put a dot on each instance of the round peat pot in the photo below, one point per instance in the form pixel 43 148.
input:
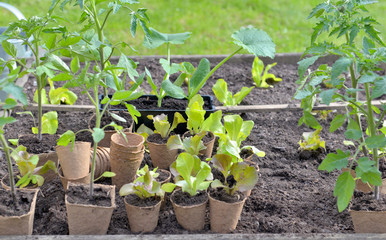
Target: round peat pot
pixel 224 216
pixel 126 157
pixel 75 162
pixel 65 181
pixel 43 158
pixel 191 217
pixel 102 160
pixel 142 219
pixel 368 221
pixel 87 219
pixel 160 155
pixel 23 224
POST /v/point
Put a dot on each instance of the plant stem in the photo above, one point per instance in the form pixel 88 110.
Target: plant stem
pixel 10 169
pixel 99 30
pixel 372 130
pixel 213 70
pixel 39 92
pixel 162 93
pixel 97 125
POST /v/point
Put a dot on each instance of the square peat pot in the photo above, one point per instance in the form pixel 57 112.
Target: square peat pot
pixel 147 105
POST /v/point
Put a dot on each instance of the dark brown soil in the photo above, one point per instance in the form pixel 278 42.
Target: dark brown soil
pixel 107 119
pixel 141 202
pixel 9 208
pixel 291 196
pixel 367 202
pixel 221 195
pixel 156 138
pixel 184 199
pixel 36 146
pixel 79 194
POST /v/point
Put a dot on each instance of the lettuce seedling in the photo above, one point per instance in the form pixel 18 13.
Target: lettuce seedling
pixel 144 186
pixel 262 78
pixel 192 145
pixel 162 125
pixel 311 141
pixel 341 23
pixel 196 122
pixel 255 41
pixel 27 163
pixel 192 175
pixel 235 132
pixel 238 176
pixel 220 90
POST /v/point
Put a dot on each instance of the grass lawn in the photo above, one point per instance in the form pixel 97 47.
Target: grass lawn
pixel 211 22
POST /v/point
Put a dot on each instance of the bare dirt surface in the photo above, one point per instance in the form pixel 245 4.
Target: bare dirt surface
pixel 291 196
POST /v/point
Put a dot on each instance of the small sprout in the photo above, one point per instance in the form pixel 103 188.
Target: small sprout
pixel 312 141
pixel 262 78
pixel 220 90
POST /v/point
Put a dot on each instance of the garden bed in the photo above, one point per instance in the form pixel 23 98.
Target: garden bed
pixel 291 196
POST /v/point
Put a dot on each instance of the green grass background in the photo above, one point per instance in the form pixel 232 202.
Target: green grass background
pixel 211 22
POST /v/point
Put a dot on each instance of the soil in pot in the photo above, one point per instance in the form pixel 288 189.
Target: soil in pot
pixel 89 215
pixel 17 219
pixel 36 146
pixel 142 213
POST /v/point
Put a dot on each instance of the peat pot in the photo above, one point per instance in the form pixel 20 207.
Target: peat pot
pixel 90 219
pixel 191 217
pixel 75 162
pixel 126 156
pixel 160 155
pixel 23 224
pixel 207 152
pixel 369 221
pixel 142 219
pixel 224 216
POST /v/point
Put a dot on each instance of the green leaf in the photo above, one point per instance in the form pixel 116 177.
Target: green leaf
pixel 58 63
pixel 9 48
pixel 337 122
pixel 75 65
pixel 158 38
pixel 6 120
pixel 378 141
pixel 197 80
pixel 185 163
pixel 173 90
pixel 344 190
pixel 62 77
pixel 318 10
pixel 220 90
pixel 256 41
pixel 17 93
pixel 335 161
pixel 98 134
pixel 327 96
pixel 14 142
pixel 368 172
pixel 9 103
pixel 66 138
pixel 338 68
pixel 379 88
pixel 304 64
pixel 353 130
pixel 310 120
pixel 133 25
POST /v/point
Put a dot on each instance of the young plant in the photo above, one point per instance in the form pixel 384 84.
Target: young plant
pixel 27 163
pixel 235 131
pixel 93 45
pixel 253 40
pixel 262 78
pixel 192 175
pixel 196 122
pixel 192 145
pixel 220 90
pixel 7 84
pixel 162 125
pixel 89 81
pixel 345 21
pixel 158 39
pixel 311 141
pixel 238 175
pixel 39 33
pixel 144 186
